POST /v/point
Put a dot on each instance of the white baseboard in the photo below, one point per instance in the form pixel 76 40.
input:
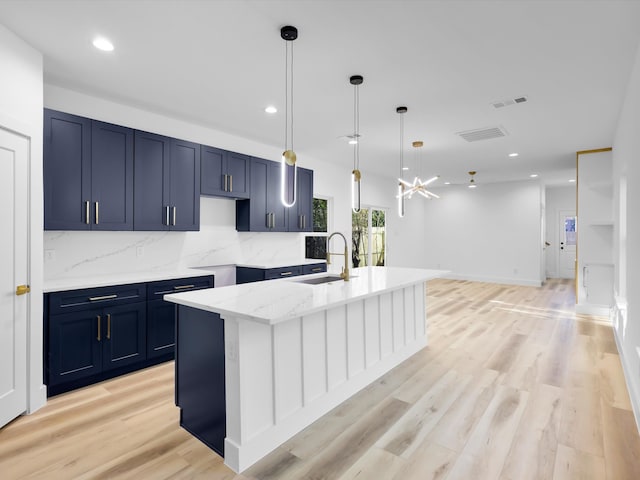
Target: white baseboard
pixel 597 310
pixel 501 280
pixel 632 386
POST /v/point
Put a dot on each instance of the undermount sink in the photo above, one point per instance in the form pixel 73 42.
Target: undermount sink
pixel 319 280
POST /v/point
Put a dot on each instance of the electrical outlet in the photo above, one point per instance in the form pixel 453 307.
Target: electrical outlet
pixel 139 251
pixel 49 255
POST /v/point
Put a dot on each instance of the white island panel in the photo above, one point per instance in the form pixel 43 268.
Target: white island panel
pixel 372 330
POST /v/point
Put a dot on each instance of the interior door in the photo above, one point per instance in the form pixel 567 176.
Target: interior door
pixel 14 150
pixel 567 229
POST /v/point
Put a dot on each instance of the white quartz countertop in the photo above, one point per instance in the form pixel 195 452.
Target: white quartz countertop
pixel 281 264
pixel 275 301
pixel 76 283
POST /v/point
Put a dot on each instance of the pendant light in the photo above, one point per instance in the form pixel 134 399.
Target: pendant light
pixel 472 182
pixel 418 185
pixel 401 182
pixel 356 176
pixel 289 167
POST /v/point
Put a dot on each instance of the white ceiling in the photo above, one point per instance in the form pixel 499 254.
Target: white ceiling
pixel 220 62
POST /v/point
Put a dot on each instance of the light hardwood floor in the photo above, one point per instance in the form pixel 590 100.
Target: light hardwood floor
pixel 513 385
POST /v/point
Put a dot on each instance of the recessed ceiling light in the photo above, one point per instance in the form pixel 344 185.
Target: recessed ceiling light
pixel 447 183
pixel 271 109
pixel 103 44
pixel 472 186
pixel 353 141
pixel 572 179
pixel 533 175
pixel 405 168
pixel 513 154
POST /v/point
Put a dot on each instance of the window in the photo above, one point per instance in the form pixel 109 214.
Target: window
pixel 368 237
pixel 315 246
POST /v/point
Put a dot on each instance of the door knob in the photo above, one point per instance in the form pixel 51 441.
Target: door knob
pixel 22 289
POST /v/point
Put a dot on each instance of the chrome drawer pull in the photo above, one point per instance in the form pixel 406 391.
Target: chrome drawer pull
pixel 104 297
pixel 183 287
pixel 284 274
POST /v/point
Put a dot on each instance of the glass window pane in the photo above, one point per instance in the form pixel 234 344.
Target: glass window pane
pixel 378 238
pixel 359 237
pixel 319 215
pixel 570 230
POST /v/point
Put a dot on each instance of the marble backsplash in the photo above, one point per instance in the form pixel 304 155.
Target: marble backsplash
pixel 77 254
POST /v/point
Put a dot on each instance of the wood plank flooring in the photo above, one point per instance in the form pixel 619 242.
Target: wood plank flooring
pixel 513 385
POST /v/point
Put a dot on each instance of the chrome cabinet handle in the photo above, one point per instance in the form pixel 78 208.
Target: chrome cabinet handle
pixel 98 337
pixel 108 326
pixel 317 269
pixel 103 297
pixel 224 186
pixel 231 183
pixel 86 212
pixel 183 287
pixel 284 274
pixel 166 215
pixel 173 214
pixel 97 213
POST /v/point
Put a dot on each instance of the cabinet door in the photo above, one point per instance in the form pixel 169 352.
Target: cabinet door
pixel 124 335
pixel 238 172
pixel 184 186
pixel 75 343
pixel 301 214
pixel 67 171
pixel 161 328
pixel 213 174
pixel 280 213
pixel 151 182
pixel 111 177
pixel 251 215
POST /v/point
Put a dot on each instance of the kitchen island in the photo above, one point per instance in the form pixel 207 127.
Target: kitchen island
pixel 256 363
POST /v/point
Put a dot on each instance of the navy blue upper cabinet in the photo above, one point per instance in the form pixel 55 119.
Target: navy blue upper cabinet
pixel 301 214
pixel 67 171
pixel 224 173
pixel 264 211
pixel 184 186
pixel 111 177
pixel 167 183
pixel 88 174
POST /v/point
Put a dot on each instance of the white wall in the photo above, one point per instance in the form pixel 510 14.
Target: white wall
pixel 217 243
pixel 491 233
pixel 626 175
pixel 21 111
pixel 557 199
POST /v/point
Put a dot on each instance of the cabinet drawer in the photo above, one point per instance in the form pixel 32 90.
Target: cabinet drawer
pixel 284 272
pixel 155 290
pixel 314 268
pixel 77 300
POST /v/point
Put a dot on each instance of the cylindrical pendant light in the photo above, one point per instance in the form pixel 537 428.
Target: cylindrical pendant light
pixel 356 176
pixel 289 167
pixel 401 184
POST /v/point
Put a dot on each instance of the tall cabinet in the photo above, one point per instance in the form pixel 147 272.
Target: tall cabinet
pixel 595 265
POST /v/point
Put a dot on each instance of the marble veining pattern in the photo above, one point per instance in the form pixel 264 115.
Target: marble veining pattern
pixel 275 301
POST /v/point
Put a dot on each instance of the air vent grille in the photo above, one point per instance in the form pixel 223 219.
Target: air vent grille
pixel 483 134
pixel 509 101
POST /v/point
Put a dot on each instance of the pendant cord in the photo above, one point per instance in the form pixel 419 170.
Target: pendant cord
pixel 288 96
pixel 401 146
pixel 356 138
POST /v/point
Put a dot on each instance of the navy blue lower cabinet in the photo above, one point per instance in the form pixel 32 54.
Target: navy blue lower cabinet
pixel 161 315
pixel 125 339
pixel 200 376
pixel 252 274
pixel 75 348
pixel 85 345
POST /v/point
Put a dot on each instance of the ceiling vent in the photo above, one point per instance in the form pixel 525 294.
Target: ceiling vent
pixel 509 101
pixel 483 134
